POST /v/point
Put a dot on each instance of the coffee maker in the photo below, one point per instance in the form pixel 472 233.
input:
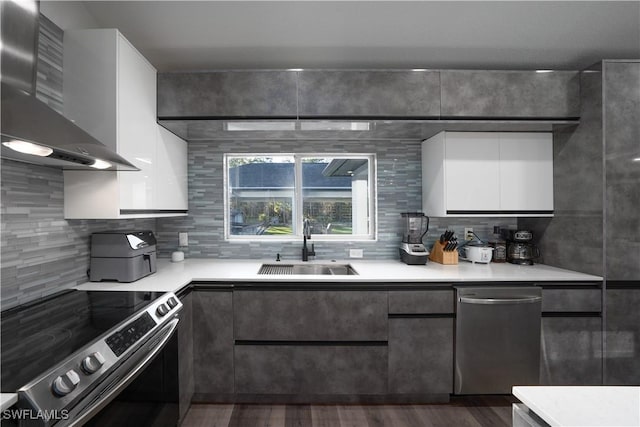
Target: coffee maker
pixel 520 250
pixel 412 250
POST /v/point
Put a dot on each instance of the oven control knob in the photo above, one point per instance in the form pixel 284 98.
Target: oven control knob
pixel 162 310
pixel 172 302
pixel 65 383
pixel 92 363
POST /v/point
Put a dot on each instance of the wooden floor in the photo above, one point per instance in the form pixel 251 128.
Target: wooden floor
pixel 474 411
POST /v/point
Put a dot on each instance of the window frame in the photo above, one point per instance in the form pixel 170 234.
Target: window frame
pixel 298 199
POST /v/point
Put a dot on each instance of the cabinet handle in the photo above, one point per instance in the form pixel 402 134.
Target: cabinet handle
pixel 499 301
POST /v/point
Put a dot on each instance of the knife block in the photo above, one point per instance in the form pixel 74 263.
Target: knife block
pixel 442 257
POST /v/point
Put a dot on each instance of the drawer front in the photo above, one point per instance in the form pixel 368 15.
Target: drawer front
pixel 310 315
pixel 421 356
pixel 571 300
pixel 571 351
pixel 310 369
pixel 421 302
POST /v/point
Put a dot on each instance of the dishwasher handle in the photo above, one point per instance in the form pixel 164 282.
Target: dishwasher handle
pixel 500 301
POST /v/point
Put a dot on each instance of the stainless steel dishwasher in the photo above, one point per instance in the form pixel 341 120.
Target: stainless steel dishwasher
pixel 497 338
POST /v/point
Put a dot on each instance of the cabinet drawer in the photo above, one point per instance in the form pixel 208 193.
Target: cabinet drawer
pixel 571 351
pixel 310 369
pixel 310 315
pixel 571 300
pixel 421 356
pixel 421 302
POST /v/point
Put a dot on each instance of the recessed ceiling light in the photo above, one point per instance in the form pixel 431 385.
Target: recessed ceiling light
pixel 28 148
pixel 544 71
pixel 637 159
pixel 100 164
pixel 295 69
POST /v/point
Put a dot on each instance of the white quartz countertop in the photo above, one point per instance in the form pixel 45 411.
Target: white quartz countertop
pixel 7 400
pixel 171 277
pixel 583 406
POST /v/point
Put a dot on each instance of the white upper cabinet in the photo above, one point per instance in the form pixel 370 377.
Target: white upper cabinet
pixel 110 91
pixel 488 174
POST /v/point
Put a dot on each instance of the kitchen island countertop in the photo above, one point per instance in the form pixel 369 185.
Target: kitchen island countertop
pixel 171 277
pixel 582 406
pixel 7 400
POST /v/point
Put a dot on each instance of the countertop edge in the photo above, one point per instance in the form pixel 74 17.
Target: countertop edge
pixel 172 277
pixel 7 400
pixel 582 405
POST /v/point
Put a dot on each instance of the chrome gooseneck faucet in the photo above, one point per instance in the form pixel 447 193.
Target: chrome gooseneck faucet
pixel 306 234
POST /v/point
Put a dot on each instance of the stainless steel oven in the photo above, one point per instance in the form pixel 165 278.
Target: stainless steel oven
pixel 70 355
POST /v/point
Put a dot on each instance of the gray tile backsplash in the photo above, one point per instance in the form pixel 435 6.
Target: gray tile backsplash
pixel 399 187
pixel 42 253
pixel 49 82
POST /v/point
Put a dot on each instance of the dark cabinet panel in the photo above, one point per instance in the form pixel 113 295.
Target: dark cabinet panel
pixel 185 355
pixel 421 302
pixel 421 355
pixel 212 342
pixel 621 90
pixel 227 94
pixel 571 351
pixel 510 94
pixel 622 364
pixel 311 369
pixel 310 315
pixel 571 300
pixel 369 93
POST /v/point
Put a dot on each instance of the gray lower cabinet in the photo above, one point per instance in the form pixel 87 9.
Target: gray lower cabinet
pixel 622 340
pixel 421 355
pixel 212 343
pixel 400 93
pixel 231 94
pixel 316 315
pixel 438 301
pixel 185 356
pixel 567 300
pixel 510 94
pixel 311 369
pixel 571 351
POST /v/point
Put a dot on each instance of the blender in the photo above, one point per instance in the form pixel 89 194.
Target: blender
pixel 412 250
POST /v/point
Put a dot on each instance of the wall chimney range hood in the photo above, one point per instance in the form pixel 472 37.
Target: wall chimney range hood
pixel 31 131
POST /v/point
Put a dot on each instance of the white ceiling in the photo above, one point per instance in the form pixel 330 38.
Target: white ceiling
pixel 202 35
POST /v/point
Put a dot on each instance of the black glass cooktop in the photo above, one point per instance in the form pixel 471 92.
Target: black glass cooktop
pixel 38 336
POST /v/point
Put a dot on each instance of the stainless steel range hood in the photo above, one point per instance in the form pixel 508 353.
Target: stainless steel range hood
pixel 32 131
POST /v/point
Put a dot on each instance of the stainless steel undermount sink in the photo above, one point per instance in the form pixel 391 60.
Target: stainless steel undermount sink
pixel 317 269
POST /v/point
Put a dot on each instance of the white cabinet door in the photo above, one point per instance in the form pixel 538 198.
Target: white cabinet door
pixel 171 173
pixel 526 172
pixel 472 174
pixel 137 126
pixel 110 91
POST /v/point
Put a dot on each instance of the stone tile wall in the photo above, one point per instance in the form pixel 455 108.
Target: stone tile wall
pixel 42 253
pixel 399 187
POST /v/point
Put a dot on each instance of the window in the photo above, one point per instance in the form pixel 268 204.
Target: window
pixel 269 196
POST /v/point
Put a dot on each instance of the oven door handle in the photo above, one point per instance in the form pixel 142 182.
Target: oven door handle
pixel 111 391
